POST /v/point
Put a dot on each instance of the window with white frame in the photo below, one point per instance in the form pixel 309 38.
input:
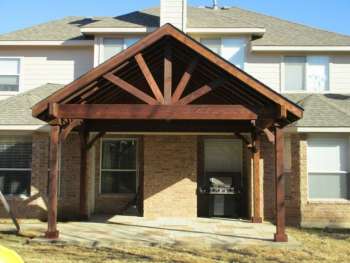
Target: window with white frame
pixel 118 166
pixel 112 46
pixel 231 49
pixel 9 74
pixel 306 73
pixel 15 165
pixel 328 166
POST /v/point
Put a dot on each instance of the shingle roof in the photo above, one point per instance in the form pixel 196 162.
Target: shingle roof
pixel 323 110
pixel 16 110
pixel 320 110
pixel 278 32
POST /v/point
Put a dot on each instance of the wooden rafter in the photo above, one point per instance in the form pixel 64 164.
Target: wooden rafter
pixel 199 92
pixel 168 72
pixel 130 89
pixel 152 112
pixel 184 80
pixel 149 78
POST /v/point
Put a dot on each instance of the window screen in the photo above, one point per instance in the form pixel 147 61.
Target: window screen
pixel 9 74
pixel 233 50
pixel 294 73
pixel 317 73
pixel 328 159
pixel 119 166
pixel 15 165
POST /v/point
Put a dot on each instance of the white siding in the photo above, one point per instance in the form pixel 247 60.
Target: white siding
pixel 266 69
pixel 43 65
pixel 340 74
pixel 174 12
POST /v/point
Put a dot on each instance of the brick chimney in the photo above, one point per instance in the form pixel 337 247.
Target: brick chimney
pixel 174 12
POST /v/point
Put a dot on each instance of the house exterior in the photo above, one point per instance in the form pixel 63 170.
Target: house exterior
pixel 173 165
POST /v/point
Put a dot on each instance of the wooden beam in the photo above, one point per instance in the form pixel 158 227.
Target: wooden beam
pixel 153 112
pixel 184 80
pixel 130 89
pixel 83 200
pixel 67 130
pixel 270 136
pixel 257 218
pixel 52 232
pixel 199 93
pixel 244 139
pixel 168 72
pixel 149 78
pixel 94 139
pixel 280 235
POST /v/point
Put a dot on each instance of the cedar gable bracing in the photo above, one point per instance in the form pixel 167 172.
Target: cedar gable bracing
pixel 167 76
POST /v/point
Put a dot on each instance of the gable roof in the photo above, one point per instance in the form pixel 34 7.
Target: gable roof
pixel 278 32
pixel 240 86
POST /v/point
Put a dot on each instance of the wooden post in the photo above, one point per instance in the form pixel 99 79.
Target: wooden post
pixel 280 235
pixel 256 179
pixel 52 232
pixel 83 204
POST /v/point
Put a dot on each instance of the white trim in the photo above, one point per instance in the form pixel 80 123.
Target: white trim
pixel 301 48
pixel 24 127
pixel 228 30
pixel 99 30
pixel 46 43
pixel 318 129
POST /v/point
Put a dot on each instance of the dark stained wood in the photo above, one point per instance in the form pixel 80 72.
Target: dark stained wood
pixel 244 139
pixel 131 89
pixel 83 204
pixel 280 235
pixel 149 77
pixel 141 194
pixel 67 130
pixel 256 179
pixel 176 126
pixel 52 231
pixel 152 112
pixel 168 73
pixel 184 80
pixel 199 93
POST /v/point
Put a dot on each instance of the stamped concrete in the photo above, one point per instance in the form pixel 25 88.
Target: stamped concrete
pixel 203 232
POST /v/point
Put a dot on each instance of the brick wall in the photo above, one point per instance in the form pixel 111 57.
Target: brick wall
pixel 170 176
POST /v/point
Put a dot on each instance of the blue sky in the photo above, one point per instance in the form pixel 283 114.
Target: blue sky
pixel 331 15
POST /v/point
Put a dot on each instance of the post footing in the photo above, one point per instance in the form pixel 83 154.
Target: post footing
pixel 256 220
pixel 52 234
pixel 280 237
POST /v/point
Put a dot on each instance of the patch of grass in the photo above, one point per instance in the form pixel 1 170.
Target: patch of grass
pixel 316 246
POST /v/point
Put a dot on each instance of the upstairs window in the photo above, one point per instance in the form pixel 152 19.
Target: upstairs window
pixel 309 73
pixel 231 49
pixel 15 165
pixel 9 74
pixel 119 166
pixel 294 73
pixel 112 46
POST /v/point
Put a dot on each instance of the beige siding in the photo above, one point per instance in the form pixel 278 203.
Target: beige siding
pixel 340 74
pixel 50 64
pixel 265 68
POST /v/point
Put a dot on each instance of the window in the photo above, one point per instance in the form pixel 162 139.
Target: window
pixel 294 73
pixel 231 49
pixel 309 73
pixel 328 166
pixel 15 165
pixel 9 74
pixel 112 46
pixel 119 166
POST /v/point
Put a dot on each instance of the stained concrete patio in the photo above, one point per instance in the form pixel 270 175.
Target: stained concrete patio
pixel 203 232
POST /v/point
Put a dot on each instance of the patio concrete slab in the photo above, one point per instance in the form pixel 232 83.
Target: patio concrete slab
pixel 198 232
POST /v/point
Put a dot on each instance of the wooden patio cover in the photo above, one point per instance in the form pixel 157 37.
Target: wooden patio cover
pixel 167 82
